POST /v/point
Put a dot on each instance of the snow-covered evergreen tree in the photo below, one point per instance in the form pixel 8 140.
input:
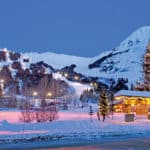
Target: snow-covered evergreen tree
pixel 145 86
pixel 103 104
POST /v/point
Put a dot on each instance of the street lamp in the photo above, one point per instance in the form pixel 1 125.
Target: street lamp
pixel 2 86
pixel 91 84
pixel 49 94
pixel 66 75
pixel 34 93
pixel 76 77
pixel 2 80
pixel 95 84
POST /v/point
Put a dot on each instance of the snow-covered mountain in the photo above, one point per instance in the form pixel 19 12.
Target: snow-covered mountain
pixel 126 60
pixel 123 61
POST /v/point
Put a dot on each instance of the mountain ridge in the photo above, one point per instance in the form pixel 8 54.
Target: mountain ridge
pixel 122 61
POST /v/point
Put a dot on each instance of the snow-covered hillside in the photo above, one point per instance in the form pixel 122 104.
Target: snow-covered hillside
pixel 126 60
pixel 58 60
pixel 123 61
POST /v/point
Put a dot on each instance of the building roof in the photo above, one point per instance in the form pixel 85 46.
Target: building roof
pixel 132 93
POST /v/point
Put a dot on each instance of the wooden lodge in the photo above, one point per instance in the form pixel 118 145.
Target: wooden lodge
pixel 127 101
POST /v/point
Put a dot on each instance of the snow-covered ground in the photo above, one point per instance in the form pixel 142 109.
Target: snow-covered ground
pixel 76 123
pixel 72 124
pixel 77 87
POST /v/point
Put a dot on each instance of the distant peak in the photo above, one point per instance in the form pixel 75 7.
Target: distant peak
pixel 142 34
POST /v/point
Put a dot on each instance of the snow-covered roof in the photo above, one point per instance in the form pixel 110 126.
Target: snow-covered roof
pixel 116 102
pixel 133 93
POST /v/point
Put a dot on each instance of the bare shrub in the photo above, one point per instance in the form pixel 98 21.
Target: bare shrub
pixel 27 115
pixel 48 113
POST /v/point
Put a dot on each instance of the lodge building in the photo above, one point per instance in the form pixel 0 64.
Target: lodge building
pixel 128 101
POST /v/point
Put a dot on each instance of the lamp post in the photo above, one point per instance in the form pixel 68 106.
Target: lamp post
pixel 2 86
pixel 49 95
pixel 34 94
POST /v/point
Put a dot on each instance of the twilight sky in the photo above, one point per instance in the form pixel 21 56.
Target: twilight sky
pixel 76 27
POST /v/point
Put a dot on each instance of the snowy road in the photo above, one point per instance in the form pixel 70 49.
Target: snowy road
pixel 114 143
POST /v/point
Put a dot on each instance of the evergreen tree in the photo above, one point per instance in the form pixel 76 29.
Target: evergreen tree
pixel 103 104
pixel 111 97
pixel 145 86
pixel 111 108
pixel 90 112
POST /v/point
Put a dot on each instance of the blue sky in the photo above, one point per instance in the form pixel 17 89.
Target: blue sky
pixel 76 27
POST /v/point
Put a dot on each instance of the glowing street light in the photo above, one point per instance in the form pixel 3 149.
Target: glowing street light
pixel 2 81
pixel 2 85
pixel 34 93
pixel 95 84
pixel 76 77
pixel 91 84
pixel 49 94
pixel 66 74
